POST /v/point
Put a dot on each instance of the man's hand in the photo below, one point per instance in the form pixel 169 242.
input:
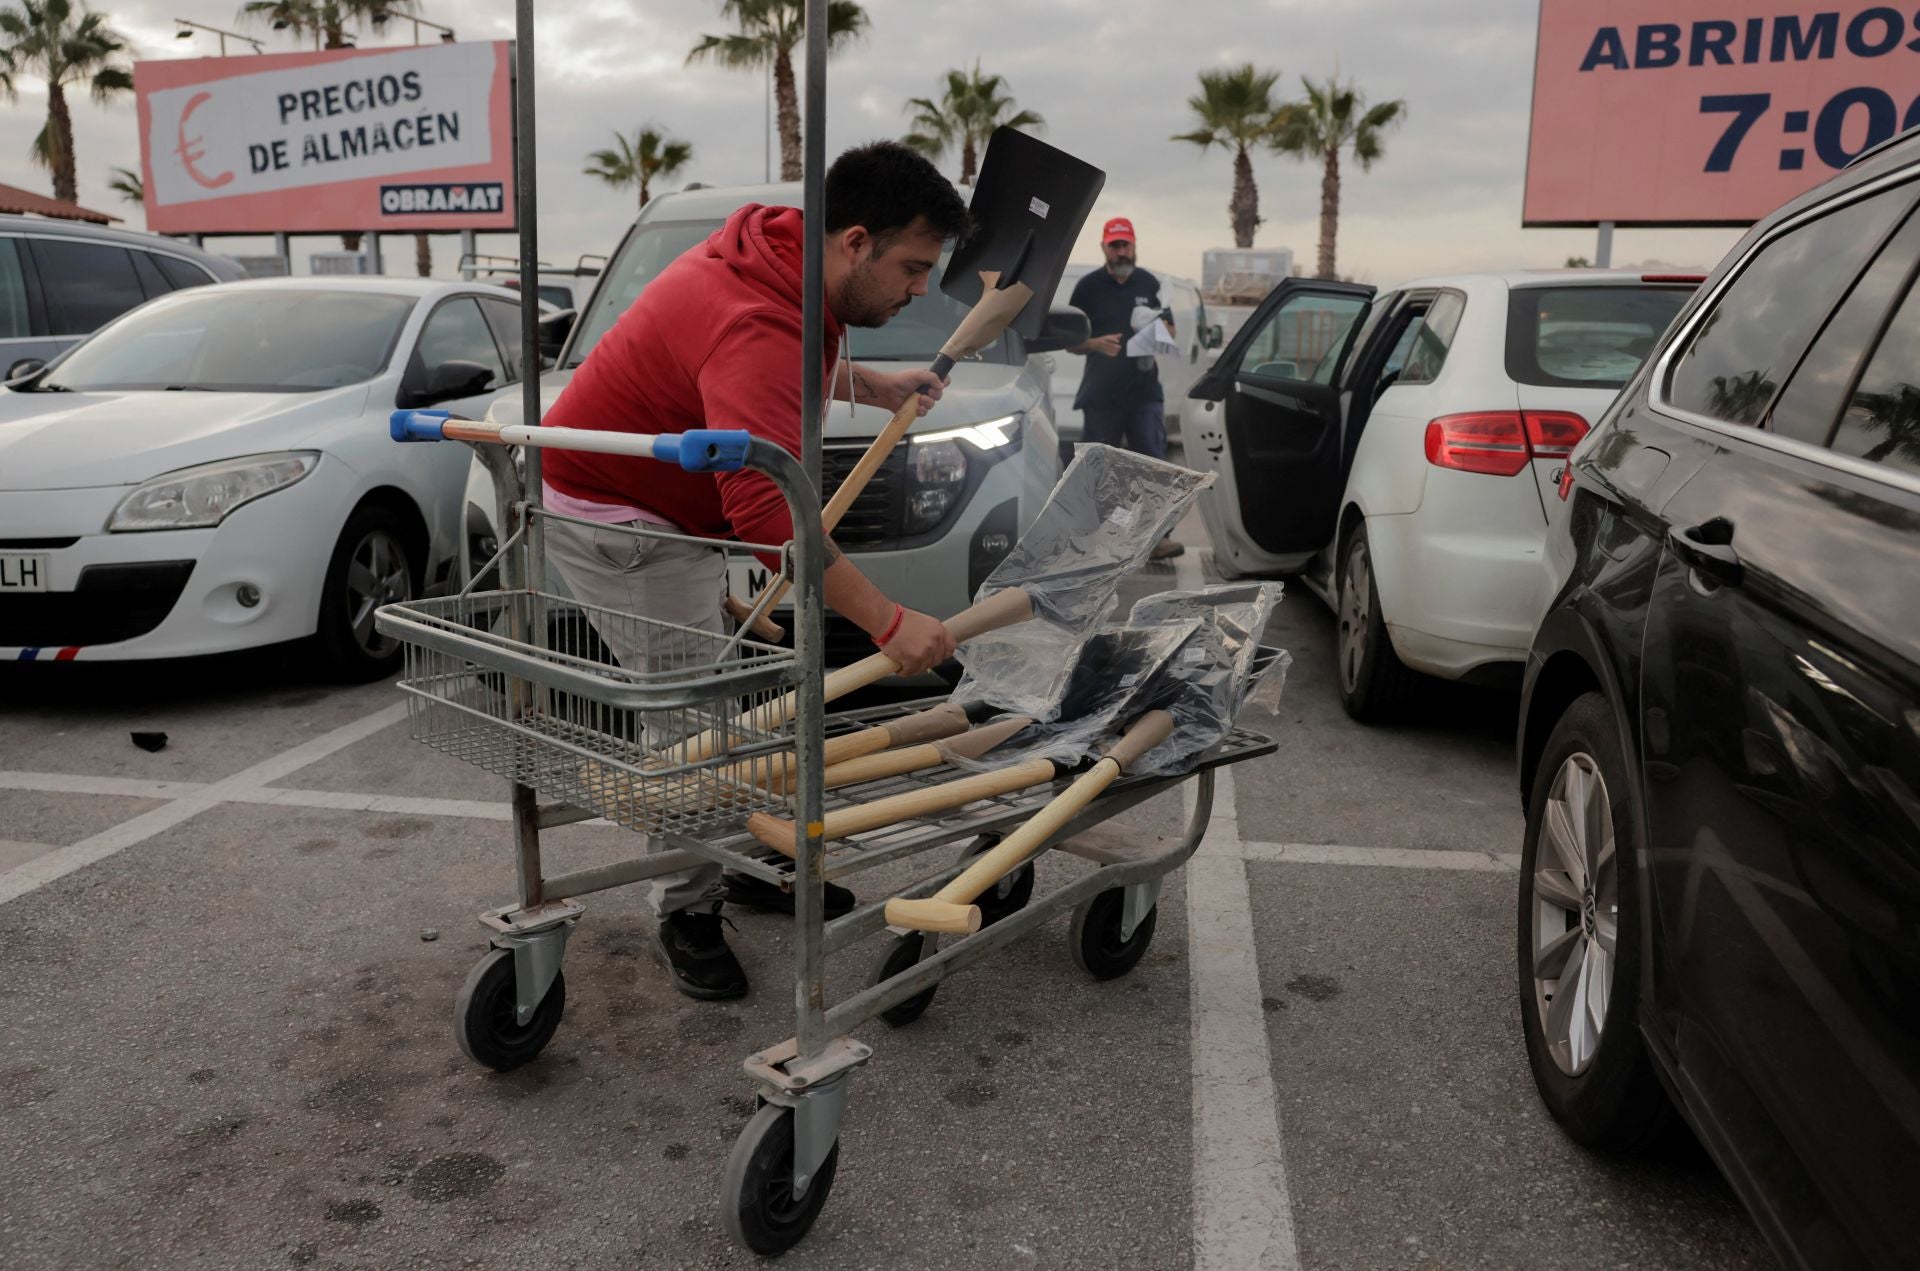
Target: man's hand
pixel 888 389
pixel 1104 345
pixel 919 644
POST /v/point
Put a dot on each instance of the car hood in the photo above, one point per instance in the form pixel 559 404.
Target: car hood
pixel 102 439
pixel 976 392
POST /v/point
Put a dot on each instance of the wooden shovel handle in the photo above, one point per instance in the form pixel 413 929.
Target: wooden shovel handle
pixel 894 763
pixel 779 833
pixel 763 626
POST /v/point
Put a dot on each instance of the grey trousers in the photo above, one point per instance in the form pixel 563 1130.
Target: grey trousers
pixel 667 581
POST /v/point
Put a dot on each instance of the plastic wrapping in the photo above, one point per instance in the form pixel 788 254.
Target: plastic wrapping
pixel 1109 509
pixel 1207 682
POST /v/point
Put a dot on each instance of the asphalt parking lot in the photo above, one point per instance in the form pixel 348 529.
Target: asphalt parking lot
pixel 228 1044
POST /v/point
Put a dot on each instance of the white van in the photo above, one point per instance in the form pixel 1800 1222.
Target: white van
pixel 1178 371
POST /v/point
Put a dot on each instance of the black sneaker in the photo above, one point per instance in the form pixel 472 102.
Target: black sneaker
pixel 693 949
pixel 755 893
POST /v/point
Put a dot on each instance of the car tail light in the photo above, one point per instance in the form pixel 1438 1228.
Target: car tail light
pixel 1502 443
pixel 1492 442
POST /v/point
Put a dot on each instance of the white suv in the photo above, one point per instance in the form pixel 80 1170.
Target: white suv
pixel 951 500
pixel 1401 451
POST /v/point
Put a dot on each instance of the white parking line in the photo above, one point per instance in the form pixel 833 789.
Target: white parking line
pixel 38 873
pixel 1242 1210
pixel 1391 857
pixel 76 783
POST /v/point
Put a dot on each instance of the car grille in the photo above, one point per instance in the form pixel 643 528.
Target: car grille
pixel 110 603
pixel 878 515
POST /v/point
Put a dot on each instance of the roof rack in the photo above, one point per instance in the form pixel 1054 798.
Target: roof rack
pixel 482 263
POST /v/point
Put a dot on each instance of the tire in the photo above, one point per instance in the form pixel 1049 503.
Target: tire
pixel 370 567
pixel 1589 1060
pixel 483 1015
pixel 1374 684
pixel 902 954
pixel 757 1206
pixel 1095 936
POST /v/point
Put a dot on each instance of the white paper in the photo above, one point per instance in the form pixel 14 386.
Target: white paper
pixel 1151 340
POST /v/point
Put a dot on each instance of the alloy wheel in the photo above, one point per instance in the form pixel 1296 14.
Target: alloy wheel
pixel 376 575
pixel 1356 595
pixel 1576 912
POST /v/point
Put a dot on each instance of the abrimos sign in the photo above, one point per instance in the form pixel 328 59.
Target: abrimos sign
pixel 1702 112
pixel 351 139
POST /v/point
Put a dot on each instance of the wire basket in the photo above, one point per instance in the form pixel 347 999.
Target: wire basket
pixel 520 683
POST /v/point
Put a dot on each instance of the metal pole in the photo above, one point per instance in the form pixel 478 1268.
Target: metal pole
pixel 467 249
pixel 1603 249
pixel 766 126
pixel 526 210
pixel 283 248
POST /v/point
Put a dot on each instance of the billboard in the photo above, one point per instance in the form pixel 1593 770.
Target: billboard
pixel 411 138
pixel 1709 112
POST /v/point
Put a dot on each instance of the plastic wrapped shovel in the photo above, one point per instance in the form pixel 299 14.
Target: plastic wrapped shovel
pixel 1109 509
pixel 1207 682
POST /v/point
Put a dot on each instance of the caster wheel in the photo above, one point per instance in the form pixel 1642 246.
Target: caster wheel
pixel 903 953
pixel 483 1015
pixel 757 1204
pixel 1008 896
pixel 1095 937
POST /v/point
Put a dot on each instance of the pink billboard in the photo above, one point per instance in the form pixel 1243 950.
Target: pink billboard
pixel 1709 112
pixel 411 138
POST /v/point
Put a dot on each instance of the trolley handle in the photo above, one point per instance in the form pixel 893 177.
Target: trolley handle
pixel 696 450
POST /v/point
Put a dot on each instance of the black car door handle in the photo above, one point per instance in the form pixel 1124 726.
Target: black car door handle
pixel 1708 547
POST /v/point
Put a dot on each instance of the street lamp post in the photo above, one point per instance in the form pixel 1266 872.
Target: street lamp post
pixel 187 29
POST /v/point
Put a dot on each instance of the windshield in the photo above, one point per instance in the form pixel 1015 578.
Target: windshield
pixel 266 340
pixel 1586 337
pixel 914 335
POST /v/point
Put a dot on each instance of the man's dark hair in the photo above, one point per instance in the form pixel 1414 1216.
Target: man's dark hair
pixel 885 186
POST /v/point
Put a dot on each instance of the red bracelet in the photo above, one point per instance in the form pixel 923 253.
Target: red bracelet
pixel 899 613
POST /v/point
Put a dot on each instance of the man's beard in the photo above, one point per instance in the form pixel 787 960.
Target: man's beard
pixel 1122 270
pixel 864 302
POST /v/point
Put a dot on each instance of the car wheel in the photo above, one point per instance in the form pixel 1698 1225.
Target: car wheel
pixel 1579 939
pixel 1374 684
pixel 370 568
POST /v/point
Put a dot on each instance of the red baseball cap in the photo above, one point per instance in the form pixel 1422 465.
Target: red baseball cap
pixel 1118 229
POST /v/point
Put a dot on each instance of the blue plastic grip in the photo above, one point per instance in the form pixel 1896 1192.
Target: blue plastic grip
pixel 417 425
pixel 706 449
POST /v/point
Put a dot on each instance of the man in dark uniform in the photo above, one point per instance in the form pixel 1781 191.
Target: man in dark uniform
pixel 1120 398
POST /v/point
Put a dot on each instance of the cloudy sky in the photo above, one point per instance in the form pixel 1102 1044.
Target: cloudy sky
pixel 1111 80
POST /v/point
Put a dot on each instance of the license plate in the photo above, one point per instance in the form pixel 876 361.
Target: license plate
pixel 747 578
pixel 23 573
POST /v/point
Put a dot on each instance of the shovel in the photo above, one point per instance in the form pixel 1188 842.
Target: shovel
pixel 1028 207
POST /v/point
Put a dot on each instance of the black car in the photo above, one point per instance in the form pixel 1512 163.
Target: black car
pixel 1720 737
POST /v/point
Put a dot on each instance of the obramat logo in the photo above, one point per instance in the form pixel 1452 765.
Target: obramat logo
pixel 433 199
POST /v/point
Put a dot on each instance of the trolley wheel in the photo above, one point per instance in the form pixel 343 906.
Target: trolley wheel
pixel 1095 936
pixel 757 1204
pixel 483 1015
pixel 901 955
pixel 1006 897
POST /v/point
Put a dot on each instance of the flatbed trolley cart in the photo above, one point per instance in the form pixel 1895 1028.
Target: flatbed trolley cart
pixel 513 680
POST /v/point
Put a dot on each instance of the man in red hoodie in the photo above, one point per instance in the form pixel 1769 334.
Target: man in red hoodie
pixel 715 342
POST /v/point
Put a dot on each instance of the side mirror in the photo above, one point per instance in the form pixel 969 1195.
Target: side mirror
pixel 554 330
pixel 445 383
pixel 1216 336
pixel 1065 328
pixel 26 366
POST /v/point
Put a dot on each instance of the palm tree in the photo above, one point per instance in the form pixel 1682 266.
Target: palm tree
pixel 971 106
pixel 1235 109
pixel 64 46
pixel 769 32
pixel 649 154
pixel 1332 118
pixel 127 184
pixel 1897 411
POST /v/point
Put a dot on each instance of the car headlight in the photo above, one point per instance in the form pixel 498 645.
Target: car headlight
pixel 936 474
pixel 989 435
pixel 198 497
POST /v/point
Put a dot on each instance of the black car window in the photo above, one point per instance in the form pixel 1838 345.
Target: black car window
pixel 1427 340
pixel 13 293
pixel 504 317
pixel 1303 338
pixel 457 333
pixel 180 273
pixel 1586 336
pixel 1882 421
pixel 1813 397
pixel 151 280
pixel 1749 340
pixel 87 285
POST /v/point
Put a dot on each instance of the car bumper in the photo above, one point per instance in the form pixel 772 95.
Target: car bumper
pixel 1458 600
pixel 172 593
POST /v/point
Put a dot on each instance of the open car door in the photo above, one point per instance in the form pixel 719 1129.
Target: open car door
pixel 1270 427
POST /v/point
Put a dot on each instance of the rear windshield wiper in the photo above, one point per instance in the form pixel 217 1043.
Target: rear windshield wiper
pixel 188 388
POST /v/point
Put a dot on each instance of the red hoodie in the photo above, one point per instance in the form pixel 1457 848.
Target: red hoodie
pixel 713 342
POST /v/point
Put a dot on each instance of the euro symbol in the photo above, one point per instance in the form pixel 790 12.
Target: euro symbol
pixel 191 152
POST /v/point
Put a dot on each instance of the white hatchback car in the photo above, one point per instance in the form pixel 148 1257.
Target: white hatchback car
pixel 213 471
pixel 1400 451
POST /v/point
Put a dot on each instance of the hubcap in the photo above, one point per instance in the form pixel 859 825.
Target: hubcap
pixel 1576 911
pixel 376 576
pixel 1356 595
